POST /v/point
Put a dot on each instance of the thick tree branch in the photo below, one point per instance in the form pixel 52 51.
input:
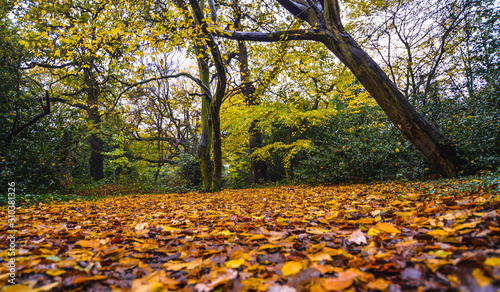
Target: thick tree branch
pixel 276 36
pixel 67 102
pixel 169 161
pixel 294 8
pixel 47 66
pixel 82 90
pixel 213 11
pixel 170 140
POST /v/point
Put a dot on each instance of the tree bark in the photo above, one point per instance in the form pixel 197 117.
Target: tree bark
pixel 203 152
pixel 216 101
pixel 435 148
pixel 258 167
pixel 96 161
pixel 429 141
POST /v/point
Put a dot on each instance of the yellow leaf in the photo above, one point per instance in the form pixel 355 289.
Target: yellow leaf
pixel 87 243
pixel 320 257
pixel 379 284
pixel 435 264
pixel 440 253
pixel 221 234
pixel 386 227
pixel 466 225
pixel 481 278
pixel 332 251
pixel 438 233
pixel 55 273
pixel 179 266
pixel 290 268
pixel 47 287
pixel 18 288
pixel 494 261
pixel 257 237
pixel 269 246
pixel 373 231
pixel 168 228
pixel 234 264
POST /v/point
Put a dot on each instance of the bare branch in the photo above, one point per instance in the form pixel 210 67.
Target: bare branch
pixel 169 161
pixel 47 66
pixel 46 111
pixel 170 140
pixel 130 86
pixel 67 102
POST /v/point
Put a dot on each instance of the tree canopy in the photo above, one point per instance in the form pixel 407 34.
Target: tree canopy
pixel 236 93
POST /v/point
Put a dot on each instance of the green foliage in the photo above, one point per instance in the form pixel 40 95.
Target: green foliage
pixel 318 124
pixel 358 145
pixel 189 170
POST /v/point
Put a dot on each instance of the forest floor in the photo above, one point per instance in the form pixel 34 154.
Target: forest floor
pixel 417 236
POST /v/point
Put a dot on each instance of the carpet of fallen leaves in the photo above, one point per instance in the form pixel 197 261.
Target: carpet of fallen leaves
pixel 364 237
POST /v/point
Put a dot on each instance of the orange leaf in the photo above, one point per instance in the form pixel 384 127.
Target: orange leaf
pixel 320 257
pixel 87 243
pixel 338 283
pixel 257 237
pixel 379 284
pixel 386 227
pixel 290 268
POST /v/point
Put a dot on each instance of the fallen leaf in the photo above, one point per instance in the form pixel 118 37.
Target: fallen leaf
pixel 357 237
pixel 379 284
pixel 234 264
pixel 290 268
pixel 493 261
pixel 481 278
pixel 320 257
pixel 257 237
pixel 87 243
pixel 386 227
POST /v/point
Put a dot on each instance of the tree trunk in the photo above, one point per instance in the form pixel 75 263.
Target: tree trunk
pixel 435 148
pixel 220 91
pixel 96 161
pixel 205 145
pixel 258 167
pixel 433 145
pixel 217 147
pixel 215 105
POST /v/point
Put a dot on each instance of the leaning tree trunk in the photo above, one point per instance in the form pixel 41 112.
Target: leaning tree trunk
pixel 324 16
pixel 433 145
pixel 96 161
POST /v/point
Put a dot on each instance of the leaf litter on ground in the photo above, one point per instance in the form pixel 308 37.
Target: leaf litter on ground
pixel 389 236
